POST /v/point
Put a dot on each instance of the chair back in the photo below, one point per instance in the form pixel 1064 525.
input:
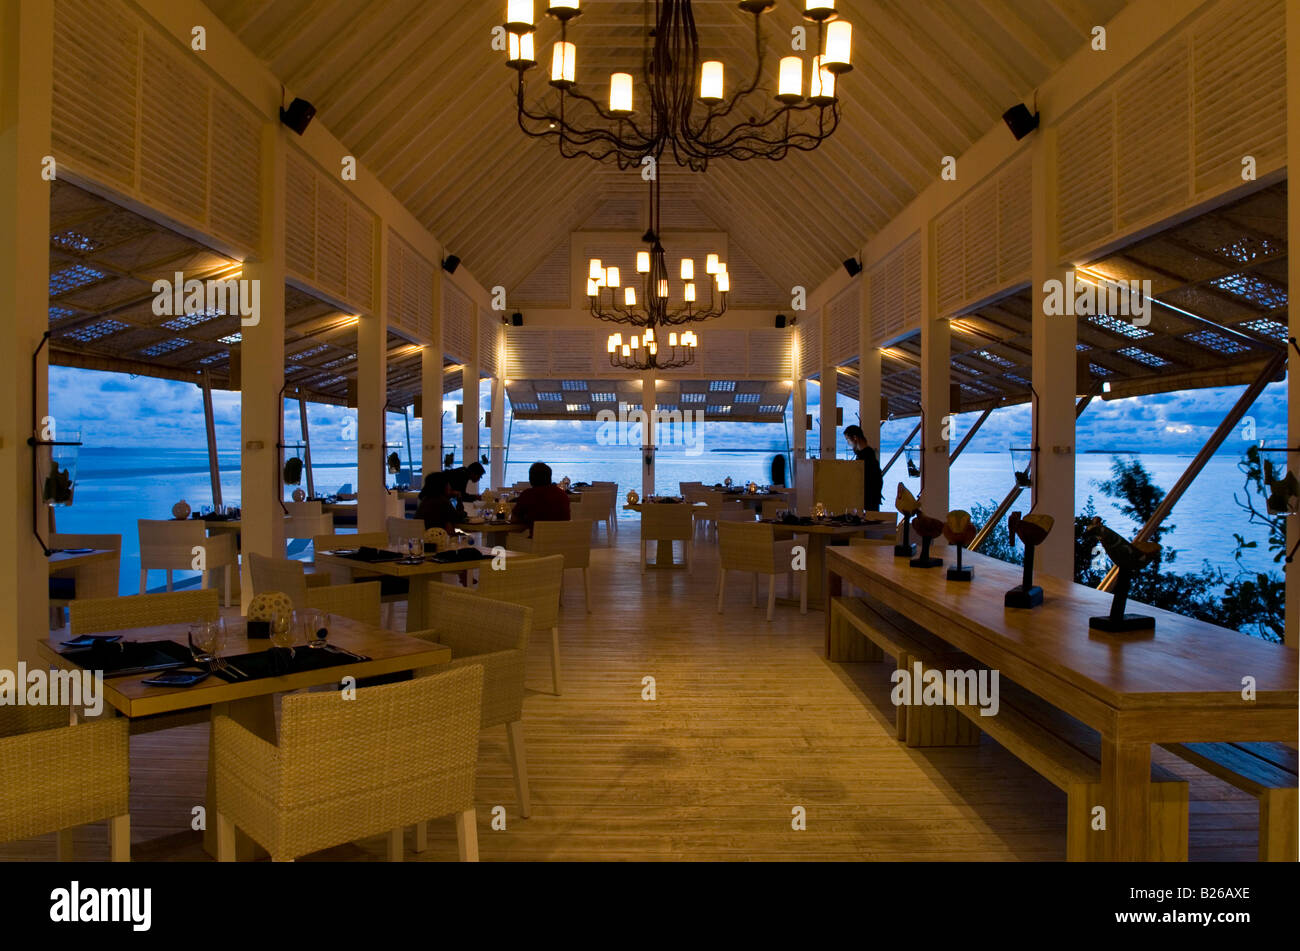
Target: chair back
pixel 612 488
pixel 686 488
pixel 394 505
pixel 359 601
pixel 747 546
pixel 98 615
pixel 278 574
pixel 403 529
pixel 418 746
pixel 734 514
pixel 304 509
pixel 667 522
pixel 307 520
pixel 588 511
pixel 770 507
pixel 599 501
pixel 532 582
pixel 167 544
pixel 572 539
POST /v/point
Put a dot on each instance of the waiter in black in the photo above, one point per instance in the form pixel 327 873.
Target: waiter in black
pixel 872 480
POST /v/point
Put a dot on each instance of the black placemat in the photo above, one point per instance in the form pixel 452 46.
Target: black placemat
pixel 124 658
pixel 276 662
pixel 373 555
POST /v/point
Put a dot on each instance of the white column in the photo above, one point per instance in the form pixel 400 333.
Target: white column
pixel 372 394
pixel 431 380
pixel 261 374
pixel 1054 363
pixel 868 373
pixel 26 76
pixel 1293 275
pixel 935 377
pixel 826 412
pixel 649 402
pixel 470 414
pixel 498 473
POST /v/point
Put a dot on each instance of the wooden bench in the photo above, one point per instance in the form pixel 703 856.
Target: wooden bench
pixel 1265 770
pixel 867 632
pixel 1067 753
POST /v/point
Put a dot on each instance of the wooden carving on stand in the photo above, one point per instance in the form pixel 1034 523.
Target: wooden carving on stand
pixel 1033 531
pixel 907 506
pixel 1129 558
pixel 960 531
pixel 929 529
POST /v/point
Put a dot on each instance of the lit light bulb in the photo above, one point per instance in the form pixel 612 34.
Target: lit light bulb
pixel 839 46
pixel 711 80
pixel 612 277
pixel 672 339
pixel 724 282
pixel 591 288
pixel 663 287
pixel 636 343
pixel 519 16
pixel 649 334
pixel 627 351
pixel 595 268
pixel 612 346
pixel 689 292
pixel 521 50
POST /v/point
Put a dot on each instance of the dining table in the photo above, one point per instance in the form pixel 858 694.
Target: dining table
pixel 664 552
pixel 418 605
pixel 357 650
pixel 94 571
pixel 822 534
pixel 495 532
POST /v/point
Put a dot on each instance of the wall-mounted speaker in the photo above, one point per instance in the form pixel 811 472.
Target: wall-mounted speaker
pixel 780 321
pixel 516 319
pixel 451 264
pixel 853 266
pixel 298 115
pixel 1020 120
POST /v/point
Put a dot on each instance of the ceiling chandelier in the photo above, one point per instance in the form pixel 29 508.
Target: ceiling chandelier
pixel 687 110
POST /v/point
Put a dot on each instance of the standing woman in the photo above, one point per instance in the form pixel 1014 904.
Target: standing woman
pixel 872 479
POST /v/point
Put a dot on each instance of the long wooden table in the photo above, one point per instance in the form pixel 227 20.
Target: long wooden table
pixel 1188 682
pixel 252 702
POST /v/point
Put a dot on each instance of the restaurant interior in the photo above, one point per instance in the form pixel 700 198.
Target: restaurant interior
pixel 644 223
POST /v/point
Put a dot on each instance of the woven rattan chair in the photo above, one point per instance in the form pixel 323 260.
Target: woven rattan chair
pixel 54 777
pixel 96 579
pixel 664 524
pixel 572 539
pixel 359 601
pixel 98 615
pixel 306 520
pixel 534 583
pixel 494 634
pixel 612 488
pixel 752 547
pixel 278 574
pixel 170 546
pixel 346 769
pixel 599 502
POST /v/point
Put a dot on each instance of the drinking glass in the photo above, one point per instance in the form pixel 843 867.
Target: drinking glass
pixel 205 635
pixel 282 629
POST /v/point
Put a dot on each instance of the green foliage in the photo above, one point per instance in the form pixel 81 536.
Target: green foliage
pixel 999 543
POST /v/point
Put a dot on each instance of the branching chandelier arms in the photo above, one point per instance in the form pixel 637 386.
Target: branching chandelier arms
pixel 688 114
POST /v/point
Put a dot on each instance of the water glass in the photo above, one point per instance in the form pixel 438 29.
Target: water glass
pixel 282 629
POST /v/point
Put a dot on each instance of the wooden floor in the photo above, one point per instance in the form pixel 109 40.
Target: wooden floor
pixel 749 722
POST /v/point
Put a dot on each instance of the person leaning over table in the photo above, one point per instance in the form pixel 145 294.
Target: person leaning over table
pixel 437 506
pixel 462 477
pixel 543 502
pixel 872 480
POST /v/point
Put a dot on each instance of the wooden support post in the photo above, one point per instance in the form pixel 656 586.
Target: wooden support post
pixel 1293 274
pixel 306 444
pixel 830 398
pixel 935 376
pixel 262 371
pixel 868 372
pixel 799 398
pixel 430 410
pixel 210 427
pixel 1053 361
pixel 26 83
pixel 372 395
pixel 498 451
pixel 471 418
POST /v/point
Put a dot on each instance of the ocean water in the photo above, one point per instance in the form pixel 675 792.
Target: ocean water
pixel 115 487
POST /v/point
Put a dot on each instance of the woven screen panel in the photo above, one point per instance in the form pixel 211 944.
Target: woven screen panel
pixel 236 170
pixel 300 216
pixel 547 285
pixel 572 353
pixel 528 353
pixel 1153 97
pixel 1085 163
pixel 331 239
pixel 950 258
pixel 361 229
pixel 769 354
pixel 173 133
pixel 726 357
pixel 457 323
pixel 980 241
pixel 489 333
pixel 96 87
pixel 1238 91
pixel 843 315
pixel 1015 225
pixel 809 330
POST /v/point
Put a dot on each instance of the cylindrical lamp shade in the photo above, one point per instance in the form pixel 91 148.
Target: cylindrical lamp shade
pixel 595 268
pixel 643 262
pixel 649 334
pixel 564 62
pixel 816 9
pixel 688 269
pixel 629 296
pixel 711 264
pixel 724 282
pixel 610 345
pixel 620 92
pixel 627 351
pixel 591 288
pixel 823 82
pixel 519 16
pixel 689 292
pixel 711 80
pixel 571 6
pixel 636 343
pixel 839 47
pixel 790 81
pixel 672 340
pixel 521 50
pixel 612 277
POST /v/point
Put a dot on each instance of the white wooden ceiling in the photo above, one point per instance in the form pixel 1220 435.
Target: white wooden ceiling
pixel 414 88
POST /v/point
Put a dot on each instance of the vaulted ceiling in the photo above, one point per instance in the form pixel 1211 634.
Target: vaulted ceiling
pixel 415 90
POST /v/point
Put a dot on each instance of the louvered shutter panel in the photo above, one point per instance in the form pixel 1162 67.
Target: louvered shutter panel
pixel 457 332
pixel 1086 176
pixel 236 169
pixel 300 217
pixel 173 133
pixel 726 357
pixel 842 332
pixel 769 354
pixel 528 353
pixel 1153 98
pixel 572 353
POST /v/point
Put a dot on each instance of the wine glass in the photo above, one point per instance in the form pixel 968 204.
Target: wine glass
pixel 282 630
pixel 204 640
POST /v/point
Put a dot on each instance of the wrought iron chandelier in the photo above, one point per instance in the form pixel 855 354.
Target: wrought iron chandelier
pixel 688 112
pixel 655 313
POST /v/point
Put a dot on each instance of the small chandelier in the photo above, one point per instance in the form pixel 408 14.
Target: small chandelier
pixel 643 351
pixel 688 110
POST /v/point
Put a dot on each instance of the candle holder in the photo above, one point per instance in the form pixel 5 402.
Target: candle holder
pixel 960 531
pixel 1129 558
pixel 929 529
pixel 907 506
pixel 1032 530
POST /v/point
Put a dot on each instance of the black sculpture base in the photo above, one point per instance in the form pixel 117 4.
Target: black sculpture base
pixel 904 551
pixel 961 574
pixel 1123 624
pixel 1022 597
pixel 926 562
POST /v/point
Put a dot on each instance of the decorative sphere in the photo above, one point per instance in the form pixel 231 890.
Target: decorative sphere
pixel 181 509
pixel 632 497
pixel 299 495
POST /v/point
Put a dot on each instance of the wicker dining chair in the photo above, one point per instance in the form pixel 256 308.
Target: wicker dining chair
pixel 344 769
pixel 534 583
pixel 494 634
pixel 360 601
pixel 170 546
pixel 278 574
pixel 752 547
pixel 599 502
pixel 54 777
pixel 100 615
pixel 664 524
pixel 572 539
pixel 612 489
pixel 306 520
